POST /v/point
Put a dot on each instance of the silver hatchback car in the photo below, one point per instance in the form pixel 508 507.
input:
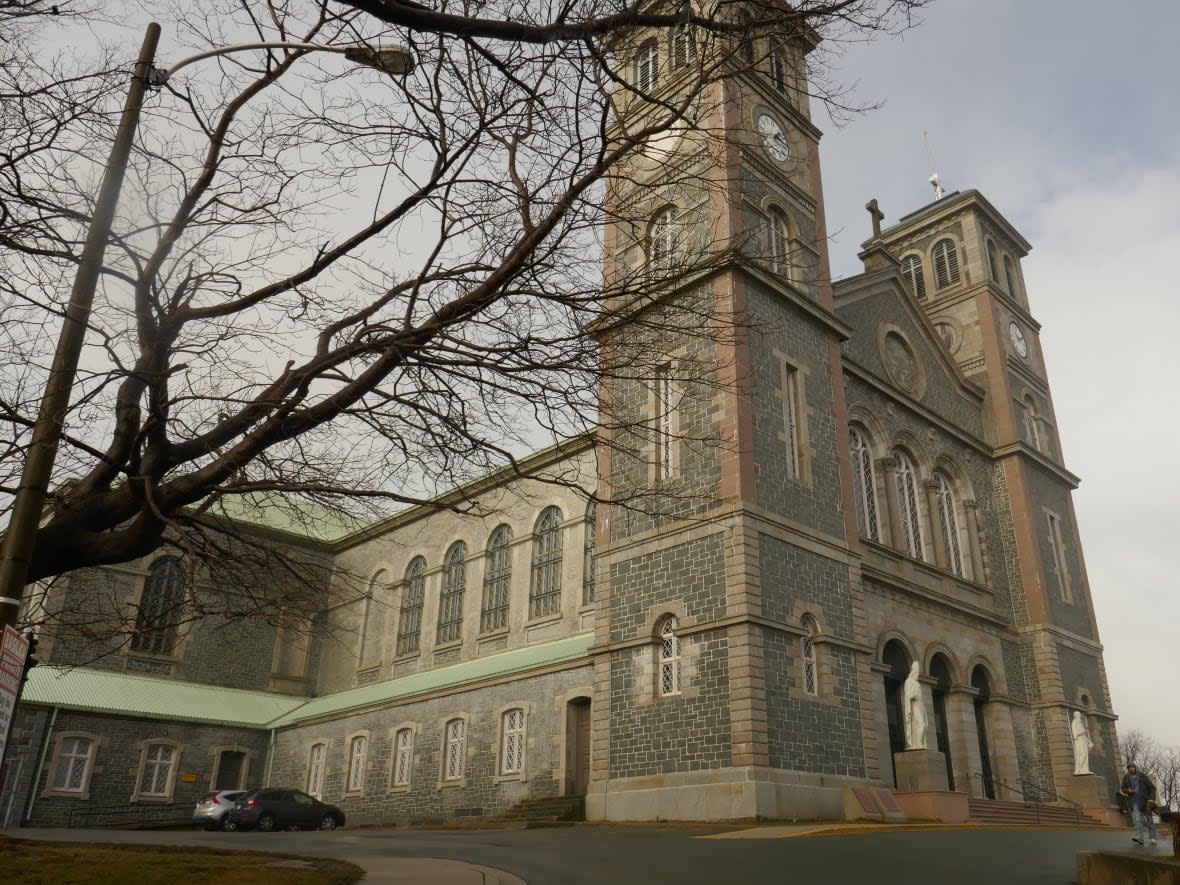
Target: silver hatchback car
pixel 213 807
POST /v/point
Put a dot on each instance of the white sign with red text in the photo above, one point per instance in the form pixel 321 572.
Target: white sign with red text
pixel 14 648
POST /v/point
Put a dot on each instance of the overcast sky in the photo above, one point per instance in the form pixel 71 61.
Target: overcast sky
pixel 1064 114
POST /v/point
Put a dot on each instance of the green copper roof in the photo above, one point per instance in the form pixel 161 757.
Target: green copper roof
pixel 104 691
pixel 122 694
pixel 503 664
pixel 287 513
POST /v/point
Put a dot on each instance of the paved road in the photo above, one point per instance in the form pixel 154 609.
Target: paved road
pixel 645 855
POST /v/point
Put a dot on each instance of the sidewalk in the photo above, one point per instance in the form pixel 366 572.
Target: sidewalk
pixel 430 871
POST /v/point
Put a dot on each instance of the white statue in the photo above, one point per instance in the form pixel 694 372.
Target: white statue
pixel 914 711
pixel 1081 743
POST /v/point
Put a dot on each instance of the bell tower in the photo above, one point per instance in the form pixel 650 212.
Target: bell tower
pixel 728 663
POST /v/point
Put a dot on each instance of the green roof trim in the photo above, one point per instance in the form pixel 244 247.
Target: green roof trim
pixel 149 697
pixel 125 694
pixel 504 664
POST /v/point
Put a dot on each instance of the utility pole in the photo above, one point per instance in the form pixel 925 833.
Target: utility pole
pixel 19 539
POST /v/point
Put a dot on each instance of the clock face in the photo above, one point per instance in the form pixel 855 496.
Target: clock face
pixel 773 138
pixel 1018 339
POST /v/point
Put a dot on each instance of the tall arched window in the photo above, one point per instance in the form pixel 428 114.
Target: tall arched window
pixel 545 589
pixel 945 256
pixel 684 46
pixel 911 272
pixel 588 554
pixel 907 504
pixel 409 626
pixel 71 771
pixel 647 66
pixel 403 760
pixel 779 71
pixel 450 603
pixel 1032 424
pixel 864 486
pixel 157 770
pixel 512 742
pixel 779 236
pixel 497 581
pixel 160 608
pixel 1010 279
pixel 316 760
pixel 993 261
pixel 663 241
pixel 807 643
pixel 949 522
pixel 455 750
pixel 358 755
pixel 669 657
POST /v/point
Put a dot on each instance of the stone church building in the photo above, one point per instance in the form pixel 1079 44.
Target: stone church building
pixel 867 476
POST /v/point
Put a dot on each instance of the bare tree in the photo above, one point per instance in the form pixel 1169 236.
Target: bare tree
pixel 331 283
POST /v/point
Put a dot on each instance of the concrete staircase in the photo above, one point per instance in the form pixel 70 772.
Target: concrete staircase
pixel 560 811
pixel 994 811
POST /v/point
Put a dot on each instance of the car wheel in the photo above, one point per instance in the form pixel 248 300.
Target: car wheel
pixel 208 826
pixel 328 822
pixel 266 823
pixel 229 826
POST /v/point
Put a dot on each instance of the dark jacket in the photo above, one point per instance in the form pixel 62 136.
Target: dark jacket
pixel 1144 797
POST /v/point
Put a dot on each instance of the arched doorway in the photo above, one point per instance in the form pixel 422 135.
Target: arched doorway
pixel 577 747
pixel 982 685
pixel 940 670
pixel 897 659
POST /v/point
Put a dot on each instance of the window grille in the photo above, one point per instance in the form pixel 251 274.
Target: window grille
pixel 949 522
pixel 663 240
pixel 450 607
pixel 907 503
pixel 946 262
pixel 864 486
pixel 358 751
pixel 791 417
pixel 156 777
pixel 588 573
pixel 780 259
pixel 1057 543
pixel 158 614
pixel 403 765
pixel 73 764
pixel 512 737
pixel 669 658
pixel 684 46
pixel 662 411
pixel 409 626
pixel 1031 423
pixel 911 271
pixel 497 581
pixel 456 750
pixel 810 670
pixel 647 66
pixel 545 592
pixel 315 770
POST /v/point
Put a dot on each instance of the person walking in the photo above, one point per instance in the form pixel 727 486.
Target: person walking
pixel 1140 794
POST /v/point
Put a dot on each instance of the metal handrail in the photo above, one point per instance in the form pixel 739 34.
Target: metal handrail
pixel 998 783
pixel 1035 802
pixel 85 815
pixel 1047 792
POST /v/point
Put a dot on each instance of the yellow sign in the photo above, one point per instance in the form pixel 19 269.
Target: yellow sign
pixel 188 777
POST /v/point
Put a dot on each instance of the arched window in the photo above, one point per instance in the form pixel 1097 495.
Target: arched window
pixel 358 754
pixel 647 66
pixel 409 626
pixel 158 614
pixel 157 770
pixel 684 46
pixel 454 750
pixel 993 261
pixel 663 241
pixel 911 272
pixel 588 554
pixel 907 503
pixel 807 643
pixel 669 657
pixel 949 522
pixel 316 759
pixel 403 760
pixel 779 237
pixel 945 256
pixel 864 486
pixel 450 604
pixel 545 589
pixel 1032 423
pixel 512 742
pixel 71 771
pixel 747 45
pixel 779 71
pixel 497 581
pixel 1010 279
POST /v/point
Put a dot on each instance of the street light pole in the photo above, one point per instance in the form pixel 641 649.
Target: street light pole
pixel 34 483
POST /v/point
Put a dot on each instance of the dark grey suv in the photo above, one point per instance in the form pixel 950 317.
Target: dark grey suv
pixel 278 809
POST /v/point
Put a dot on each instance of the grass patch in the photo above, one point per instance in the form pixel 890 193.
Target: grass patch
pixel 52 863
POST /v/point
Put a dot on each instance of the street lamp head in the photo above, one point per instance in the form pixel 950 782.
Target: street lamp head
pixel 393 60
